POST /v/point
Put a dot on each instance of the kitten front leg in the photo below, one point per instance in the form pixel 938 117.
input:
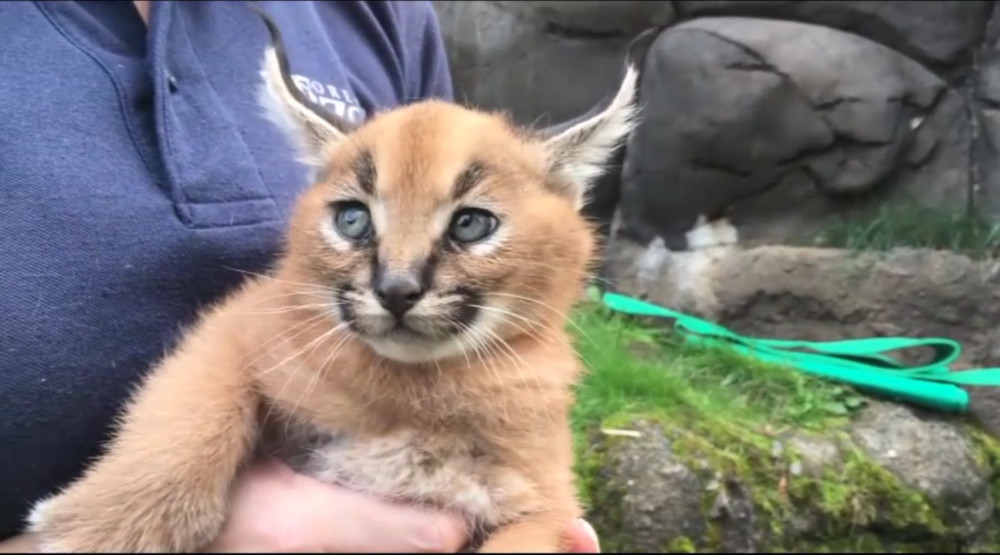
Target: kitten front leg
pixel 163 484
pixel 538 533
pixel 544 528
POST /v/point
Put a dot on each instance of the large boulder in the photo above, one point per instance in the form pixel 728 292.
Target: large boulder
pixel 939 34
pixel 544 62
pixel 775 124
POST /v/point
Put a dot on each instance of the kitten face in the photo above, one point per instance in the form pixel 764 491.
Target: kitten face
pixel 438 230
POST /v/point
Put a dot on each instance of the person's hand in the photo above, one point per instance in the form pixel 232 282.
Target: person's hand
pixel 277 510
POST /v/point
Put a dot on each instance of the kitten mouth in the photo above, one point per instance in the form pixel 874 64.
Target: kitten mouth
pixel 419 336
pixel 400 329
pixel 413 329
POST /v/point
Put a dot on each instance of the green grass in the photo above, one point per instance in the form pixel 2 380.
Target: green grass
pixel 636 369
pixel 908 224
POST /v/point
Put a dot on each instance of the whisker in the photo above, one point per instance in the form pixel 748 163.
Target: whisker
pixel 319 373
pixel 530 333
pixel 297 353
pixel 523 366
pixel 265 348
pixel 288 380
pixel 478 346
pixel 300 293
pixel 561 314
pixel 316 286
pixel 290 308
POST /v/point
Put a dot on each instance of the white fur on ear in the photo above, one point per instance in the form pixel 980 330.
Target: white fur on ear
pixel 579 153
pixel 311 134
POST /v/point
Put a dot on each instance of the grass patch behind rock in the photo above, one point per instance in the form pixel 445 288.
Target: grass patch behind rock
pixel 637 369
pixel 908 224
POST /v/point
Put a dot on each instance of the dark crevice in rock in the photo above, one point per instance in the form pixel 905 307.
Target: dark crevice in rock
pixel 831 104
pixel 721 166
pixel 555 29
pixel 750 66
pixel 757 57
pixel 987 103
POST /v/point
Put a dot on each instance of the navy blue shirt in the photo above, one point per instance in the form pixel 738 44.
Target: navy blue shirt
pixel 139 179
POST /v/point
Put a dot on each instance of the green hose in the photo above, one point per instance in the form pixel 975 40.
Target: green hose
pixel 862 363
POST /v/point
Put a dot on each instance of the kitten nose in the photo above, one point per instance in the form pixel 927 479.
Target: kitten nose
pixel 398 294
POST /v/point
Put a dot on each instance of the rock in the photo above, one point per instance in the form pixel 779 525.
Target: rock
pixel 932 457
pixel 595 19
pixel 941 34
pixel 747 118
pixel 986 121
pixel 816 455
pixel 647 498
pixel 909 483
pixel 544 62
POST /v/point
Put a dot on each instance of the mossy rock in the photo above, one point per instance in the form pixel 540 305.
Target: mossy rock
pixel 889 480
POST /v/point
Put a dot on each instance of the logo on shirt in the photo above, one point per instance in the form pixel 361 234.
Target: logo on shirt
pixel 340 101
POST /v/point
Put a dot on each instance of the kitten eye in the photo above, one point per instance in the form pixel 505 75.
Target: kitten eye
pixel 353 220
pixel 472 224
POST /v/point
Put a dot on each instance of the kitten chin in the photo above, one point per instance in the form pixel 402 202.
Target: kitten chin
pixel 417 351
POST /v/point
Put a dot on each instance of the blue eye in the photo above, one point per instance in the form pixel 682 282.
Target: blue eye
pixel 470 225
pixel 352 220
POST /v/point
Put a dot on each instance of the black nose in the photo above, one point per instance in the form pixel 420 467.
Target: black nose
pixel 398 294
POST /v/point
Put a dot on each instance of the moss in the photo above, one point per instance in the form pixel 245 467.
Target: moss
pixel 859 506
pixel 863 494
pixel 602 504
pixel 987 452
pixel 681 545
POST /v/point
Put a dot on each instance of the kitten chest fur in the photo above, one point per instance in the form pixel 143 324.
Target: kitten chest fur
pixel 406 465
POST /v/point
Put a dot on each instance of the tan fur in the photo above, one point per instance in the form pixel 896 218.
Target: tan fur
pixel 482 430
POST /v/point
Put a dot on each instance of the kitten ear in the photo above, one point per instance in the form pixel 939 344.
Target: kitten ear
pixel 309 127
pixel 578 150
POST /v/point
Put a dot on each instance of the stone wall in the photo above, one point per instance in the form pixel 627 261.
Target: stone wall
pixel 765 118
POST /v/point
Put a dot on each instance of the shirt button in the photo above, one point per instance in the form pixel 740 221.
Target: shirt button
pixel 171 81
